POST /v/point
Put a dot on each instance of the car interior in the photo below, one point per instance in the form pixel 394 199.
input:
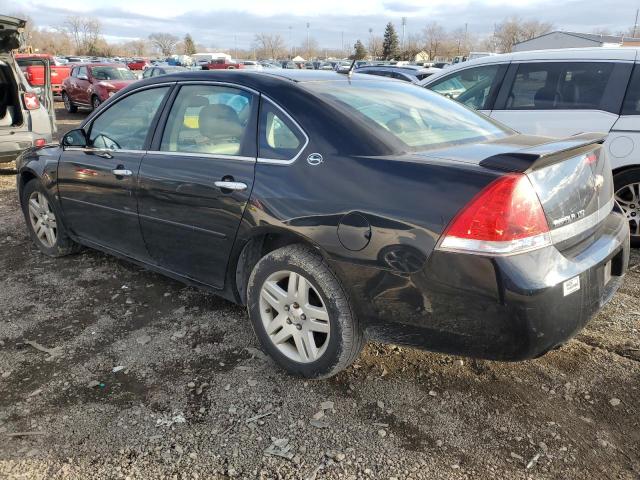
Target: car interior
pixel 10 112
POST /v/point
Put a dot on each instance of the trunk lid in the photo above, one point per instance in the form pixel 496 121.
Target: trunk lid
pixel 11 29
pixel 572 177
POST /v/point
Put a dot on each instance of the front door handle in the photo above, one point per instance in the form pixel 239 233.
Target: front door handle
pixel 106 155
pixel 228 185
pixel 121 172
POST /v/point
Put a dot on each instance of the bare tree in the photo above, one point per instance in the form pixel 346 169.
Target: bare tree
pixel 375 46
pixel 269 46
pixel 514 30
pixel 84 31
pixel 412 47
pixel 434 37
pixel 164 42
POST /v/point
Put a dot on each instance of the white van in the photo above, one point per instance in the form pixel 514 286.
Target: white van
pixel 561 93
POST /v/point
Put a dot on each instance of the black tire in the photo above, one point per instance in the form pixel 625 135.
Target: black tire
pixel 68 104
pixel 346 338
pixel 63 245
pixel 95 102
pixel 620 181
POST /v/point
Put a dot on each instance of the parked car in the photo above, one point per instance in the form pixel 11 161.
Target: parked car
pixel 27 117
pixel 90 84
pixel 223 64
pixel 162 70
pixel 407 73
pixel 441 65
pixel 288 64
pixel 251 64
pixel 34 70
pixel 138 64
pixel 562 93
pixel 270 64
pixel 340 209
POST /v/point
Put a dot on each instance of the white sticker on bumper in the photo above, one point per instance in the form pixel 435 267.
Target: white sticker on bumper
pixel 571 285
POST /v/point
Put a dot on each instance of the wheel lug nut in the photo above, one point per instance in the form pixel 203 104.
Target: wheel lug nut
pixel 286 308
pixel 267 310
pixel 288 321
pixel 303 316
pixel 295 305
pixel 298 326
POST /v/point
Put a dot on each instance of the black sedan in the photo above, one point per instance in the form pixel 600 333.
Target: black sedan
pixel 339 208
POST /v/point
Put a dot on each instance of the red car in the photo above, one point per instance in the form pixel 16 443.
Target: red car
pixel 33 69
pixel 90 84
pixel 222 64
pixel 138 64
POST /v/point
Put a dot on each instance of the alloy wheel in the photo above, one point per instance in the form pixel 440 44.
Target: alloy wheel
pixel 294 316
pixel 628 197
pixel 96 102
pixel 43 220
pixel 67 102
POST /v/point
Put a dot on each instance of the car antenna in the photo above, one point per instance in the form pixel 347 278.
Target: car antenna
pixel 353 64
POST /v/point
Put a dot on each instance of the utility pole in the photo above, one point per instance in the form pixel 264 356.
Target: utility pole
pixel 342 44
pixel 290 44
pixel 235 46
pixel 635 25
pixel 373 54
pixel 308 25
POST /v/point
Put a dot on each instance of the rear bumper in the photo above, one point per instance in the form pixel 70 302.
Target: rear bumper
pixel 499 308
pixel 12 145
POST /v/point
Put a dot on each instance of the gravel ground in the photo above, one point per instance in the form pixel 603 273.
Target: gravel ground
pixel 109 371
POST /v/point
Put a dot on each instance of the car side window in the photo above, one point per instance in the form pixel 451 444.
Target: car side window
pixel 471 86
pixel 559 86
pixel 125 124
pixel 82 71
pixel 280 138
pixel 631 104
pixel 147 73
pixel 211 119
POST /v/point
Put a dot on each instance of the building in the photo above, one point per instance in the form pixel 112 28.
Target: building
pixel 560 39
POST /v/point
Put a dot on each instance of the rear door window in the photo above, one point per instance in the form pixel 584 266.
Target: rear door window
pixel 631 104
pixel 472 87
pixel 560 86
pixel 211 119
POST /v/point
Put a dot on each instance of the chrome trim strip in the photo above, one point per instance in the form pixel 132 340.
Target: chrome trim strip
pixel 217 82
pixel 182 225
pixel 101 150
pixel 203 155
pixel 494 248
pixel 566 232
pixel 275 161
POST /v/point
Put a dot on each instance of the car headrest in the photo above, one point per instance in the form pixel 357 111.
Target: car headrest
pixel 545 97
pixel 197 101
pixel 219 121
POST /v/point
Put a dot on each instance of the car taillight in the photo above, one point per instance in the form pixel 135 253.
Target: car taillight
pixel 31 101
pixel 39 142
pixel 504 218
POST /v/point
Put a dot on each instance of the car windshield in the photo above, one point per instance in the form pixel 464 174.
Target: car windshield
pixel 418 118
pixel 112 73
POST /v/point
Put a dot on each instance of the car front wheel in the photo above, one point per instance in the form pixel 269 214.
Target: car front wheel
pixel 301 314
pixel 68 104
pixel 95 102
pixel 627 188
pixel 43 222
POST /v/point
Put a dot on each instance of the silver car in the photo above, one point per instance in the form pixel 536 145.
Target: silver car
pixel 27 117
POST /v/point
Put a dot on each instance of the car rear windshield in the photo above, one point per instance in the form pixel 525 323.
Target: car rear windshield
pixel 418 118
pixel 112 73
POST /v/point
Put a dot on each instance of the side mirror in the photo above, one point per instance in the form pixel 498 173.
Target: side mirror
pixel 82 77
pixel 75 138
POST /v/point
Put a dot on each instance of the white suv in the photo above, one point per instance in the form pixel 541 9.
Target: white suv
pixel 561 93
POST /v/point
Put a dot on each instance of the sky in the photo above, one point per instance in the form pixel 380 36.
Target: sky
pixel 226 24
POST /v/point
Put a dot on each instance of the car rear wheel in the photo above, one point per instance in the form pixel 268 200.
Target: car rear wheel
pixel 68 104
pixel 627 188
pixel 43 222
pixel 95 102
pixel 301 314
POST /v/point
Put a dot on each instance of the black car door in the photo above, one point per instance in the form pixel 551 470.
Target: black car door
pixel 97 183
pixel 196 181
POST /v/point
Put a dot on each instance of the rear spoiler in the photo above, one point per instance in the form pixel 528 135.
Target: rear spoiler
pixel 540 156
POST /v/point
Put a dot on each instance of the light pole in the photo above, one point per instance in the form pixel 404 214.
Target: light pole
pixel 372 53
pixel 308 25
pixel 404 24
pixel 635 25
pixel 342 44
pixel 290 44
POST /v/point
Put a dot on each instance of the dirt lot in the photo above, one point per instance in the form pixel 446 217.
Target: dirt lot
pixel 197 399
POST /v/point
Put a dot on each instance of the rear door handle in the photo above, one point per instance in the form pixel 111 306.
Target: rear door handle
pixel 228 185
pixel 118 172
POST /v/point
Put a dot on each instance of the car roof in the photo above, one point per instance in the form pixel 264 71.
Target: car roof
pixel 627 54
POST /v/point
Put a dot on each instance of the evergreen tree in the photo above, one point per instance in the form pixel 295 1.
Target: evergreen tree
pixel 390 42
pixel 360 51
pixel 189 45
